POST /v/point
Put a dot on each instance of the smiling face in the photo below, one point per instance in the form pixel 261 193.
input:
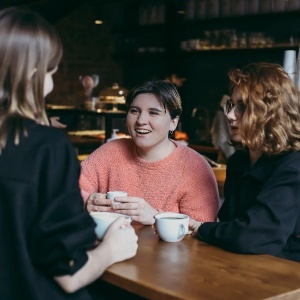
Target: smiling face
pixel 149 123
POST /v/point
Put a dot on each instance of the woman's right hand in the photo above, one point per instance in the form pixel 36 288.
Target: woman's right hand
pixel 98 202
pixel 121 240
pixel 118 244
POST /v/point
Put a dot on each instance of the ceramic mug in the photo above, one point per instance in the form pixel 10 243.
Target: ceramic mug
pixel 171 227
pixel 113 194
pixel 104 220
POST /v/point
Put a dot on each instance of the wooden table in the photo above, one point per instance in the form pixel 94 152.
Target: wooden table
pixel 191 269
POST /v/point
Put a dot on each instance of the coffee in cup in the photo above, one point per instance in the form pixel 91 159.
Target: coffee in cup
pixel 171 227
pixel 104 220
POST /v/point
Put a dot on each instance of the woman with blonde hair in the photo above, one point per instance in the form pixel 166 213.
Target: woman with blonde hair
pixel 48 247
pixel 261 211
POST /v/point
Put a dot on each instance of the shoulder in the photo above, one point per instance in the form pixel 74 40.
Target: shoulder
pixel 46 136
pixel 111 151
pixel 117 146
pixel 121 143
pixel 49 146
pixel 188 152
pixel 43 130
pixel 290 160
pixel 239 156
pixel 184 149
pixel 189 156
pixel 46 147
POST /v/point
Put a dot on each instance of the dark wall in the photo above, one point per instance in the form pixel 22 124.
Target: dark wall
pixel 113 50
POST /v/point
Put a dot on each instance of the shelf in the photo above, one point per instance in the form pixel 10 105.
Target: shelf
pixel 274 47
pixel 266 17
pixel 134 29
pixel 162 55
pixel 138 55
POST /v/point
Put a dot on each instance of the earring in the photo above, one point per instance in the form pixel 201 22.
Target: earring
pixel 171 132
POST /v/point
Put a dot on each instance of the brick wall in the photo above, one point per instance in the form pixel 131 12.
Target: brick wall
pixel 88 49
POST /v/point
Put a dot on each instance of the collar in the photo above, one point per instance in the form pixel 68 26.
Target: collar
pixel 261 170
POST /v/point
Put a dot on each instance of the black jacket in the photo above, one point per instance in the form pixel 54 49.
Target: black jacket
pixel 260 214
pixel 44 229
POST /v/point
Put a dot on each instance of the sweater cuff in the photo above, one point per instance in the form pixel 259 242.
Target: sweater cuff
pixel 203 231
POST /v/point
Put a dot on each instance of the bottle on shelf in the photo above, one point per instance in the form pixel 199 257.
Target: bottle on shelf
pixel 114 135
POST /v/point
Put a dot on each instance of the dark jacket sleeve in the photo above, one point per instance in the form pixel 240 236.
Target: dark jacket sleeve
pixel 65 230
pixel 266 224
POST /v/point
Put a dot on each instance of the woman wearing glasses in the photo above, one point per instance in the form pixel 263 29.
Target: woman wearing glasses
pixel 261 211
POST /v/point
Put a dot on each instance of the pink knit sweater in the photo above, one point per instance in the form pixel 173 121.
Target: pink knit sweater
pixel 182 182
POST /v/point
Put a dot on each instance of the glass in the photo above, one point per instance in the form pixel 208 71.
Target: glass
pixel 238 108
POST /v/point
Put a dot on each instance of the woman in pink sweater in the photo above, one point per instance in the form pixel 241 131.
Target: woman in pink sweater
pixel 158 173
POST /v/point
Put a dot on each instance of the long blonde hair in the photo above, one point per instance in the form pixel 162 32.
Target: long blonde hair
pixel 271 121
pixel 29 48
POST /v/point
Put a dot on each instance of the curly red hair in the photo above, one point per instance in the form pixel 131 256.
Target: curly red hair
pixel 271 121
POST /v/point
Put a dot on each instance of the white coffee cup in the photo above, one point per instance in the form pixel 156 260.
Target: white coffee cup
pixel 104 220
pixel 113 194
pixel 171 227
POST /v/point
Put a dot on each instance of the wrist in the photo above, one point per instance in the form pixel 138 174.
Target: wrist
pixel 200 224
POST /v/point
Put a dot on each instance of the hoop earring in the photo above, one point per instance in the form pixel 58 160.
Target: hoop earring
pixel 171 132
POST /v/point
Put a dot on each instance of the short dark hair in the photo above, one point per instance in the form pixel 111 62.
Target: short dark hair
pixel 165 92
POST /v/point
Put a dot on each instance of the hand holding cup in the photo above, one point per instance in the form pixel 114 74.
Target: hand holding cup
pixel 113 194
pixel 104 220
pixel 98 202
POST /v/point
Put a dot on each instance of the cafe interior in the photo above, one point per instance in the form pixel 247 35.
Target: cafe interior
pixel 119 44
pixel 110 46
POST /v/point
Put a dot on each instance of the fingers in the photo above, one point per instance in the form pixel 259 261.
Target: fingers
pixel 120 222
pixel 98 202
pixel 154 229
pixel 97 198
pixel 129 212
pixel 122 239
pixel 138 209
pixel 128 206
pixel 132 200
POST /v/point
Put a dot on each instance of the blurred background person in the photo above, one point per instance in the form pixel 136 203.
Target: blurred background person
pixel 55 122
pixel 220 133
pixel 177 78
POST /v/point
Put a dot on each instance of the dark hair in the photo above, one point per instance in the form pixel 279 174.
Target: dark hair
pixel 165 92
pixel 271 121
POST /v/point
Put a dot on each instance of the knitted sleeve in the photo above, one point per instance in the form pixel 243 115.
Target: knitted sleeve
pixel 98 167
pixel 88 180
pixel 201 197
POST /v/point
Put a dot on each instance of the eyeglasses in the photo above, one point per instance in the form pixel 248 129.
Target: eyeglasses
pixel 239 108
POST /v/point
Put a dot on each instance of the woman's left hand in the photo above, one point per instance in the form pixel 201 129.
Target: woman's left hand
pixel 137 208
pixel 194 226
